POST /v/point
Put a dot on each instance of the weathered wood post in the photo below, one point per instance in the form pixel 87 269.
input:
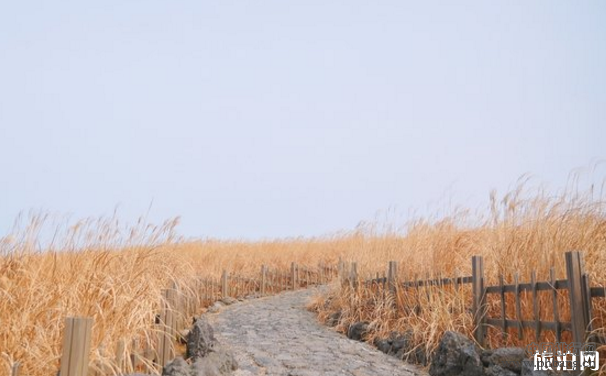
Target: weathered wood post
pixel 321 274
pixel 392 277
pixel 479 298
pixel 149 353
pixel 579 302
pixel 224 285
pixel 341 271
pixel 586 287
pixel 535 306
pixel 194 299
pixel 392 282
pixel 353 276
pixel 298 275
pixel 16 369
pixel 134 354
pixel 293 275
pixel 263 278
pixel 120 359
pixel 168 327
pixel 179 306
pixel 76 346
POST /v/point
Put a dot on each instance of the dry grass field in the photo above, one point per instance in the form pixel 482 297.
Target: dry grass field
pixel 523 233
pixel 115 274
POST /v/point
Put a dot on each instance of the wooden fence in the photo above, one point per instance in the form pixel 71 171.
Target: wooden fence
pixel 576 284
pixel 179 303
pixel 182 301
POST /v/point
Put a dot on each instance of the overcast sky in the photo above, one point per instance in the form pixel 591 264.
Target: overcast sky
pixel 260 119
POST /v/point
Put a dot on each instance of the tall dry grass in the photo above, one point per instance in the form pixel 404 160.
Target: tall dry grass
pixel 114 273
pixel 525 231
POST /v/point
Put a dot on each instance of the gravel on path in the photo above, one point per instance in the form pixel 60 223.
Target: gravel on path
pixel 277 335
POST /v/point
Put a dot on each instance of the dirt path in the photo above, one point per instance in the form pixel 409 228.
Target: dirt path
pixel 278 336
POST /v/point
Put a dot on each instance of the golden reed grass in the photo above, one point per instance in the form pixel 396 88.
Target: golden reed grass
pixel 522 233
pixel 98 268
pixel 114 274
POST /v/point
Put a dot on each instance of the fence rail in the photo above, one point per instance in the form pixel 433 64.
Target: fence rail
pixel 598 292
pixel 178 304
pixel 182 302
pixel 576 284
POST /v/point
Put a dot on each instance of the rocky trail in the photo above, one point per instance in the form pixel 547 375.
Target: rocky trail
pixel 277 336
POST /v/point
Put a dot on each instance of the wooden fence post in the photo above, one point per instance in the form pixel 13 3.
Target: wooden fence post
pixel 149 353
pixel 321 276
pixel 479 297
pixel 341 271
pixel 579 302
pixel 392 276
pixel 586 287
pixel 353 276
pixel 263 278
pixel 195 298
pixel 16 369
pixel 120 360
pixel 298 275
pixel 293 275
pixel 179 307
pixel 168 322
pixel 224 285
pixel 134 355
pixel 76 346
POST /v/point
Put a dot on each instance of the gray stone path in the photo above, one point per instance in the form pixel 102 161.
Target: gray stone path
pixel 278 336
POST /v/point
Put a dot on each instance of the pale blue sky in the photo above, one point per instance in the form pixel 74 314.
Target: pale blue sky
pixel 283 118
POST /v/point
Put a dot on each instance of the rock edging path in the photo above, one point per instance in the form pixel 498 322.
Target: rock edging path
pixel 277 336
